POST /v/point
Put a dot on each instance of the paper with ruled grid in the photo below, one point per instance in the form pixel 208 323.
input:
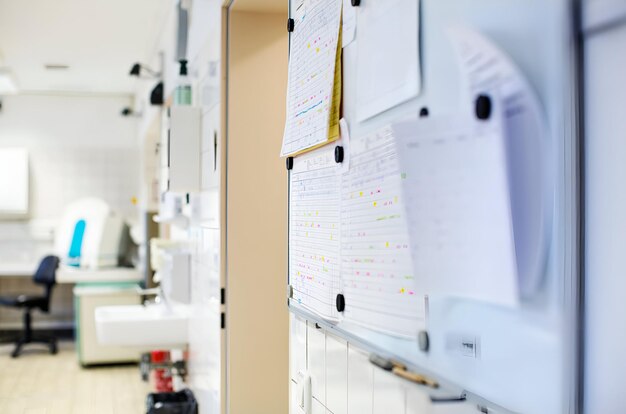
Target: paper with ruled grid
pixel 314 78
pixel 376 272
pixel 314 203
pixel 348 235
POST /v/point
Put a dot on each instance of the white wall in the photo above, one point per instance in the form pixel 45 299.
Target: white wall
pixel 605 207
pixel 78 146
pixel 204 54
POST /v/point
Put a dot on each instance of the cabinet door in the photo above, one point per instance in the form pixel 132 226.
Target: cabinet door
pixel 316 361
pixel 336 374
pixel 360 382
pixel 389 393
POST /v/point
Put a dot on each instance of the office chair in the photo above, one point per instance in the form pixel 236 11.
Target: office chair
pixel 45 275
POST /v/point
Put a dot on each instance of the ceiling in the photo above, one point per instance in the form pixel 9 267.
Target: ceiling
pixel 98 39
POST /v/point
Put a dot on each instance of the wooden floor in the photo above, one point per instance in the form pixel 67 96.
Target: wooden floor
pixel 38 383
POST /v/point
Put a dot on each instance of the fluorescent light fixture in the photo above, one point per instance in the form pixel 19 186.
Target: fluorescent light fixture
pixel 8 84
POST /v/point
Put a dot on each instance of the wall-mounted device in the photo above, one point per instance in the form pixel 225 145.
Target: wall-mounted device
pixel 130 112
pixel 144 71
pixel 90 235
pixel 156 95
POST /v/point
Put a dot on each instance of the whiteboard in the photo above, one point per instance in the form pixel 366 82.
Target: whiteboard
pixel 14 182
pixel 523 357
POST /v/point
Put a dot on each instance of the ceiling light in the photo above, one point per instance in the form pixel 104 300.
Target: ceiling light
pixel 8 83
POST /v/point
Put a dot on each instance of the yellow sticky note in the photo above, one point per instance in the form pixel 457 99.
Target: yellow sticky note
pixel 333 121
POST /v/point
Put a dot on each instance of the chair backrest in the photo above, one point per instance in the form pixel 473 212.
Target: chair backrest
pixel 46 273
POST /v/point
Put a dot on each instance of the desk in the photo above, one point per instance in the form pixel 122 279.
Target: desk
pixel 17 269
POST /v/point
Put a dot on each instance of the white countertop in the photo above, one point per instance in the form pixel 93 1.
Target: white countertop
pixel 67 274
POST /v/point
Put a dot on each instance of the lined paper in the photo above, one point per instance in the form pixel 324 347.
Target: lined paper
pixel 376 272
pixel 314 80
pixel 314 231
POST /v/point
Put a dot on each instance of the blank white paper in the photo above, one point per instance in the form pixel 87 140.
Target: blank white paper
pixel 388 55
pixel 458 208
pixel 348 23
pixel 484 67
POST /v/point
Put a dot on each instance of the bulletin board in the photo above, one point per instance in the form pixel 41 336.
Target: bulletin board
pixel 380 250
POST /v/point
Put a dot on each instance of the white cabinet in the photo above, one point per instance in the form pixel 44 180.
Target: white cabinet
pixel 297 350
pixel 182 149
pixel 360 382
pixel 175 276
pixel 318 408
pixel 295 399
pixel 389 393
pixel 336 374
pixel 316 362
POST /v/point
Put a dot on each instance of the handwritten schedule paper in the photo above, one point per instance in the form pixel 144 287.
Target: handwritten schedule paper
pixel 458 207
pixel 314 81
pixel 376 273
pixel 314 199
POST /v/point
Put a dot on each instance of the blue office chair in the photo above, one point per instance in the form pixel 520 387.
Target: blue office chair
pixel 45 275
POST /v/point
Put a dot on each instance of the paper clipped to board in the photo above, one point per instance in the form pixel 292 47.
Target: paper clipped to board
pixel 348 23
pixel 456 191
pixel 314 200
pixel 348 235
pixel 314 79
pixel 483 66
pixel 387 55
pixel 377 278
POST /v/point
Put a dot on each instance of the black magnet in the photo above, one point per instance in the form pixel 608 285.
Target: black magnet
pixel 341 303
pixel 338 154
pixel 483 107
